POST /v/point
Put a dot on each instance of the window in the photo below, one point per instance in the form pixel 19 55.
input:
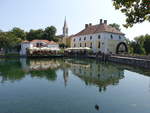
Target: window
pixel 91 45
pixel 99 36
pixel 80 45
pixel 74 45
pixel 80 39
pixel 84 38
pixel 111 36
pixel 90 37
pixel 85 44
pixel 99 44
pixel 119 37
pixel 74 40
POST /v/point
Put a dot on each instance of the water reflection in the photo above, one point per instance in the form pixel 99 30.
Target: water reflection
pixel 65 89
pixel 100 74
pixel 90 71
pixel 10 70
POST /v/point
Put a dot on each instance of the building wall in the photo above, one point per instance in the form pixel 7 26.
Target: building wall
pixel 24 47
pixel 53 46
pixel 108 41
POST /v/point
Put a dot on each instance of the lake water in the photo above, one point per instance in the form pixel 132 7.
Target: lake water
pixel 72 86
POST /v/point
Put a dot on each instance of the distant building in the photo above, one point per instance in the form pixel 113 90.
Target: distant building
pixel 65 38
pixel 100 38
pixel 37 43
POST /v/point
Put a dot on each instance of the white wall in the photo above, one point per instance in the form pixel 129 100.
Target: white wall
pixel 53 46
pixel 24 47
pixel 105 41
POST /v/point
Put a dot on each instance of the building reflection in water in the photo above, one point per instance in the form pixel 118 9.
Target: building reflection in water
pixel 98 74
pixel 91 72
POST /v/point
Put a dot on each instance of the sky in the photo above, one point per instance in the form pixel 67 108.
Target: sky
pixel 35 14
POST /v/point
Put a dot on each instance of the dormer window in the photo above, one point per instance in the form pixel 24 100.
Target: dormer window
pixel 111 36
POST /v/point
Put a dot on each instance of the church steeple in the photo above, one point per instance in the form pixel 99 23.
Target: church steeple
pixel 65 28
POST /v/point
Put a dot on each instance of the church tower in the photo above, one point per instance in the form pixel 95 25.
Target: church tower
pixel 65 29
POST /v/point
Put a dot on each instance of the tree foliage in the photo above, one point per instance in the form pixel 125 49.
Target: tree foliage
pixel 140 45
pixel 8 40
pixel 12 39
pixel 146 44
pixel 18 33
pixel 35 34
pixel 117 26
pixel 47 34
pixel 136 11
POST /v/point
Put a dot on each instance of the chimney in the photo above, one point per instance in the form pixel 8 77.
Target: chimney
pixel 90 24
pixel 101 21
pixel 86 25
pixel 105 22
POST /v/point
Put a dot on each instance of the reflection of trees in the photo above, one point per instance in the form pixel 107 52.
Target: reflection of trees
pixel 98 74
pixel 43 68
pixel 10 70
pixel 48 74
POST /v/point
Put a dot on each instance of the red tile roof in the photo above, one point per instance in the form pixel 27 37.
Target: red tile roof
pixel 98 29
pixel 25 41
pixel 34 41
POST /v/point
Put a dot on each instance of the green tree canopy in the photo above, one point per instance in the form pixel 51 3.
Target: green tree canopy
pixel 8 40
pixel 117 26
pixel 146 44
pixel 35 34
pixel 49 33
pixel 136 11
pixel 18 33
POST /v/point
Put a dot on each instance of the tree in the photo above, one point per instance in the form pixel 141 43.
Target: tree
pixel 137 48
pixel 136 11
pixel 9 41
pixel 18 33
pixel 117 26
pixel 35 34
pixel 147 44
pixel 49 33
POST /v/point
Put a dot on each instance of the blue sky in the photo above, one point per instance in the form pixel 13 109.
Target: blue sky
pixel 35 14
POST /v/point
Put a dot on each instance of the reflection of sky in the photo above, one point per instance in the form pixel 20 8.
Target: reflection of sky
pixel 38 95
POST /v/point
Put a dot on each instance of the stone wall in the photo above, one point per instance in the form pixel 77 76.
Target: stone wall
pixel 131 61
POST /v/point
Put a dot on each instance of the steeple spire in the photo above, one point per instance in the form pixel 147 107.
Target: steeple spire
pixel 65 28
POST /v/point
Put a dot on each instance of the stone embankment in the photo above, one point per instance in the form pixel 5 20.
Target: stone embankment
pixel 143 63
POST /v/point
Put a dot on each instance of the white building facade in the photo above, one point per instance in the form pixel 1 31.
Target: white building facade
pixel 100 38
pixel 37 43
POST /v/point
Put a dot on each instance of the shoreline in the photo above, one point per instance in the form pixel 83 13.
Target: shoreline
pixel 130 61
